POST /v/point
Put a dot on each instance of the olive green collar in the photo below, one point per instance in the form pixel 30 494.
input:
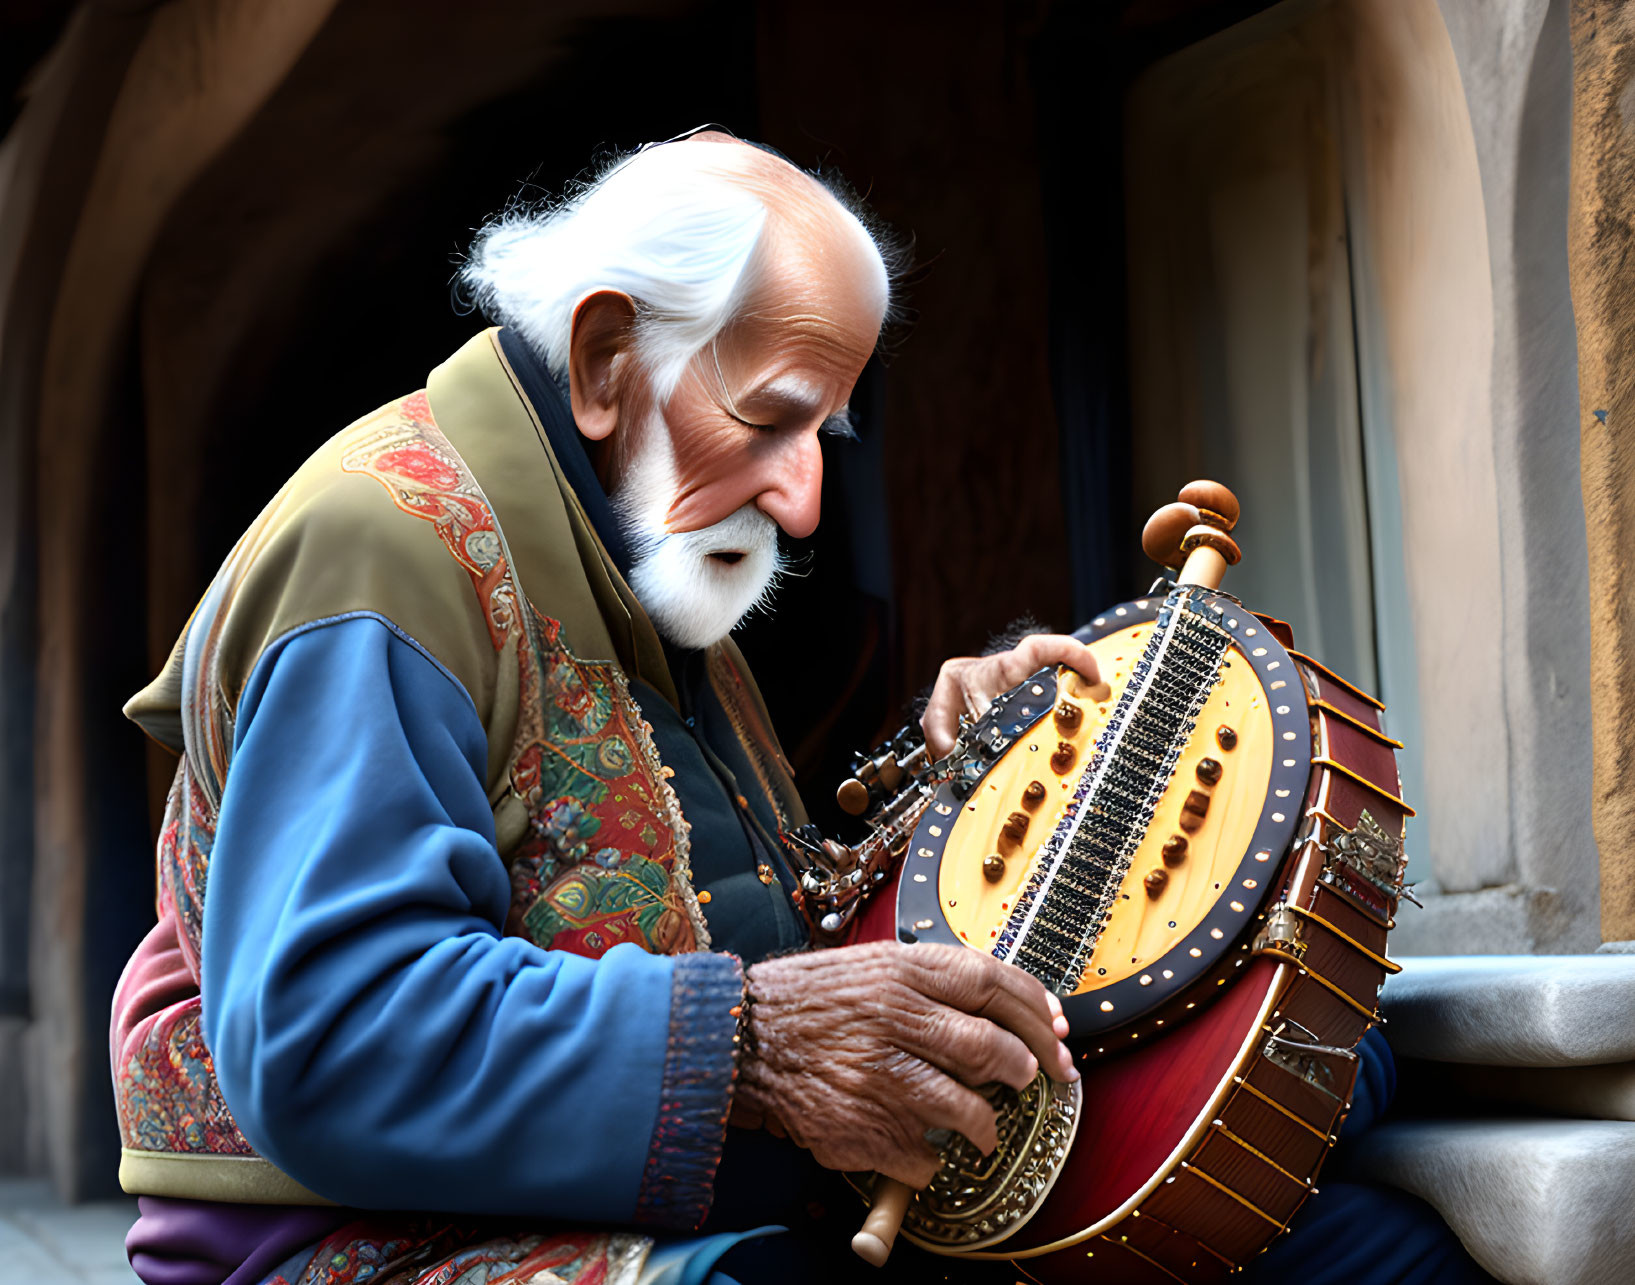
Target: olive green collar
pixel 563 567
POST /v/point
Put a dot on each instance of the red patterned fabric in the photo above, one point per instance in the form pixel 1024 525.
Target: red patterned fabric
pixel 168 1096
pixel 425 1252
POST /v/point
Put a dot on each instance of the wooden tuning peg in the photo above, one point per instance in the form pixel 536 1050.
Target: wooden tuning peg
pixel 853 797
pixel 1207 546
pixel 1216 505
pixel 1161 537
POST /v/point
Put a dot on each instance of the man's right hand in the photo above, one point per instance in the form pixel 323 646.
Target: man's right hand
pixel 857 1051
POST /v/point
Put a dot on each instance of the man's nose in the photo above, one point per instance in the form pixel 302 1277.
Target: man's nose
pixel 793 490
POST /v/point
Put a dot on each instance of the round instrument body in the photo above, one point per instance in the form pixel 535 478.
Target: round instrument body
pixel 1202 852
pixel 1217 1047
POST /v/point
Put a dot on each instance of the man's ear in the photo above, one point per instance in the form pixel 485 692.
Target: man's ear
pixel 598 350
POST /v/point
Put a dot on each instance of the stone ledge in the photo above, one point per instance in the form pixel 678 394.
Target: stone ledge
pixel 1536 1202
pixel 1513 1010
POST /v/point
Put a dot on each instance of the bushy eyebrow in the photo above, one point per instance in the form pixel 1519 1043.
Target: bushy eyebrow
pixel 785 398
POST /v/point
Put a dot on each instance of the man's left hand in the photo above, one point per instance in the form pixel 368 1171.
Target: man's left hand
pixel 968 684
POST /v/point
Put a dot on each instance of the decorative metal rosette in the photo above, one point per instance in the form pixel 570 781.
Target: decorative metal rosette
pixel 976 1200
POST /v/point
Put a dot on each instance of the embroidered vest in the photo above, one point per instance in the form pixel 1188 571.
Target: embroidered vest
pixel 389 517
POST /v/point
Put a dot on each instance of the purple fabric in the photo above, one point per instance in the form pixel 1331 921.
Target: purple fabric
pixel 205 1242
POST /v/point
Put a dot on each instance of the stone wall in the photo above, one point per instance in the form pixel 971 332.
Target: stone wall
pixel 1449 127
pixel 1466 121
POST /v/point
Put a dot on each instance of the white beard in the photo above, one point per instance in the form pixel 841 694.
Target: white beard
pixel 692 598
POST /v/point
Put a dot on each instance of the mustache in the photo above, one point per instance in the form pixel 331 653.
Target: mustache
pixel 747 530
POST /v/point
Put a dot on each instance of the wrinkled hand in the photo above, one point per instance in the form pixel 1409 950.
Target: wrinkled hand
pixel 968 684
pixel 857 1051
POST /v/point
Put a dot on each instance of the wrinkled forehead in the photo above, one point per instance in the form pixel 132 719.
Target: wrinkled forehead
pixel 811 305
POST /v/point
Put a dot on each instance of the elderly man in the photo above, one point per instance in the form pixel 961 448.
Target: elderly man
pixel 478 958
pixel 471 892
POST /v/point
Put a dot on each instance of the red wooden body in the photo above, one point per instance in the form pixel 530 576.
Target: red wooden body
pixel 1195 1144
pixel 1139 1108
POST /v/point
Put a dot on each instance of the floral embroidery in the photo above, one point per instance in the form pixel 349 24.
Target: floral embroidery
pixel 604 858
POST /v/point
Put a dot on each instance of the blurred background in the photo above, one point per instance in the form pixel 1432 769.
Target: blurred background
pixel 1316 249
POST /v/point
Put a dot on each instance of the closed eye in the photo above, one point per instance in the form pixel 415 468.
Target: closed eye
pixel 837 425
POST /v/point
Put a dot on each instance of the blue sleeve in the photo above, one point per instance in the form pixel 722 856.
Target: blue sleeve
pixel 374 1033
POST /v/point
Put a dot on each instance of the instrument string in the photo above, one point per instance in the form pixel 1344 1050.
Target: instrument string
pixel 1060 915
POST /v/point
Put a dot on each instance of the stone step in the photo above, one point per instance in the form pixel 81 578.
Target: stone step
pixel 1513 1010
pixel 1536 1202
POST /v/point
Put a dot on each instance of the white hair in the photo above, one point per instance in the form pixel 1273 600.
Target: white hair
pixel 679 229
pixel 670 227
